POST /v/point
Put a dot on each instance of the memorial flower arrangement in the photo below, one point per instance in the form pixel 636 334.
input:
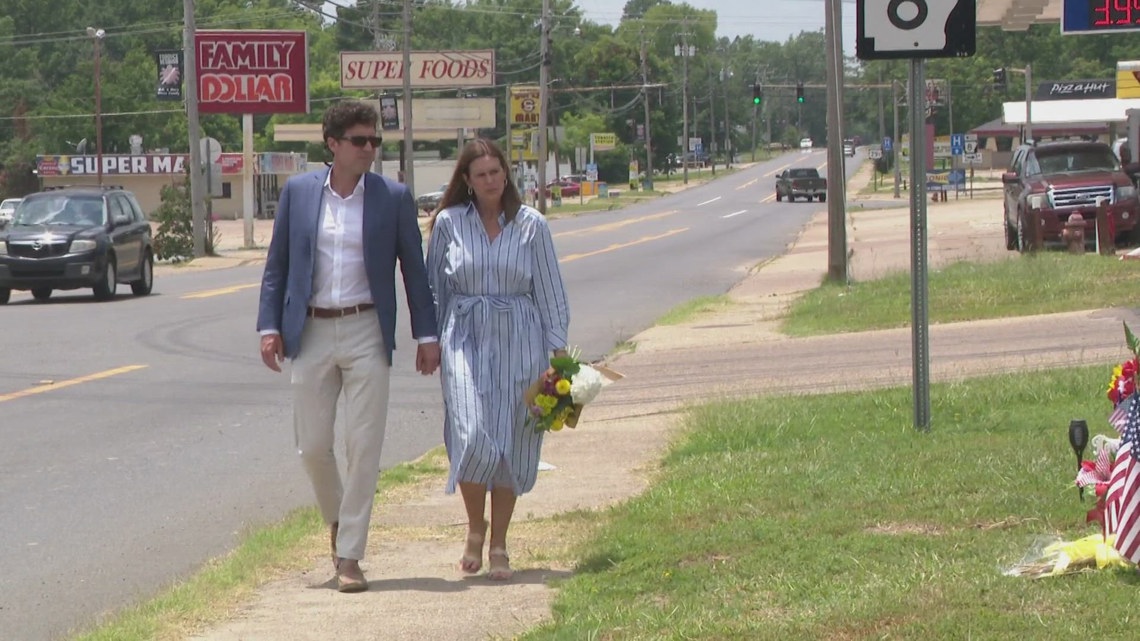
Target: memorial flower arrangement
pixel 1113 475
pixel 556 399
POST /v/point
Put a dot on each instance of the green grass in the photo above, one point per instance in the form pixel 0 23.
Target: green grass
pixel 689 310
pixel 208 594
pixel 830 517
pixel 1048 282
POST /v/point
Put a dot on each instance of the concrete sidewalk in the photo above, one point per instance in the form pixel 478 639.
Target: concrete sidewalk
pixel 417 591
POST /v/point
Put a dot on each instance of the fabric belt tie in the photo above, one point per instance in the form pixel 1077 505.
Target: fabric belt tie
pixel 472 320
pixel 324 312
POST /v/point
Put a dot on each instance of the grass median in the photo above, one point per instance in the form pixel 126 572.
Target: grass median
pixel 1045 283
pixel 830 517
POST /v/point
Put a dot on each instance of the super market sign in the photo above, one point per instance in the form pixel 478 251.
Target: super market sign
pixel 126 165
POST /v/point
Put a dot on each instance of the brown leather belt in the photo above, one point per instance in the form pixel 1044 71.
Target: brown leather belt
pixel 323 312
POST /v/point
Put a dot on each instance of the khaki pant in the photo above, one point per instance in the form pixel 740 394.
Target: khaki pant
pixel 342 355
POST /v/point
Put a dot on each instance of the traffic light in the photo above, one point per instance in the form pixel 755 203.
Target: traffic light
pixel 999 78
pixel 757 97
pixel 800 92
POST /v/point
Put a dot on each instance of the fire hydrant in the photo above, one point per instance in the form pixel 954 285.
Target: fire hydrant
pixel 1073 234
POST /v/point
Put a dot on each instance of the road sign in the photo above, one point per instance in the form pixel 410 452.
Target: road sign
pixel 592 172
pixel 957 144
pixel 973 158
pixel 886 29
pixel 887 142
pixel 875 154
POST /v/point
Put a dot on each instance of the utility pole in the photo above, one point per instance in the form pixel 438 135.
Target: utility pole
pixel 882 110
pixel 1028 103
pixel 377 41
pixel 197 193
pixel 755 110
pixel 409 148
pixel 727 125
pixel 683 51
pixel 712 127
pixel 837 183
pixel 645 99
pixel 543 101
pixel 895 142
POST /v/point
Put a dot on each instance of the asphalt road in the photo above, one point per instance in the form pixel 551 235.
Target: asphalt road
pixel 143 436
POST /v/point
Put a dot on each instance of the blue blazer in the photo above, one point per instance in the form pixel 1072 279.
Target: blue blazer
pixel 391 231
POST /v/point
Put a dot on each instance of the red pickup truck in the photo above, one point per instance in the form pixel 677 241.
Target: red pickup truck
pixel 1059 179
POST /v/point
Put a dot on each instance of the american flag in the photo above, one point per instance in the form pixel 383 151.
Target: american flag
pixel 1123 498
pixel 1120 413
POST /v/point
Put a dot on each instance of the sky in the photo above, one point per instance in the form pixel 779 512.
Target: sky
pixel 762 19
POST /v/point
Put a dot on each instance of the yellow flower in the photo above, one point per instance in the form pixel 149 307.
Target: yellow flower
pixel 546 401
pixel 562 387
pixel 556 425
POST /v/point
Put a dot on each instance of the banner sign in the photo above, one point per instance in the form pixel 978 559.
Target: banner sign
pixel 128 165
pixel 604 142
pixel 1076 90
pixel 389 113
pixel 438 69
pixel 523 109
pixel 1128 79
pixel 277 162
pixel 252 72
pixel 169 65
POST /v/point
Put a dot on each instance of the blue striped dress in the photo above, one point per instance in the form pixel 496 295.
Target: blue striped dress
pixel 502 310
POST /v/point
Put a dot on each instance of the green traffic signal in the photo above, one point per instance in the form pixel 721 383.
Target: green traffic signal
pixel 756 100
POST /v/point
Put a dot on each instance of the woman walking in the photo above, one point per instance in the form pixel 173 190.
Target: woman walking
pixel 502 311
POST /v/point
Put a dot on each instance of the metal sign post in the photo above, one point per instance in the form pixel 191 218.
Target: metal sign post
pixel 915 30
pixel 920 326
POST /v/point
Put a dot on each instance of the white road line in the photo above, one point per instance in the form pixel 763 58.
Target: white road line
pixel 735 213
pixel 708 201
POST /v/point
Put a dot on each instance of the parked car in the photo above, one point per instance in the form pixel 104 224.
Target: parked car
pixel 570 188
pixel 77 237
pixel 430 201
pixel 7 208
pixel 801 182
pixel 1058 179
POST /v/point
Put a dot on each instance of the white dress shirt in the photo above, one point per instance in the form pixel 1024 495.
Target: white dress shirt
pixel 339 278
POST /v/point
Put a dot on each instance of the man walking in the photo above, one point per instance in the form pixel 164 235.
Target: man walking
pixel 328 303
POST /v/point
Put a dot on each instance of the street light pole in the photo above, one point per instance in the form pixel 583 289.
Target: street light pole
pixel 97 36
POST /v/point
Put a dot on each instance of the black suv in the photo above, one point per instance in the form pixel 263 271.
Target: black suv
pixel 76 237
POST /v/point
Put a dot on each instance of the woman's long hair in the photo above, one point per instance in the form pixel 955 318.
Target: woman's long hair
pixel 457 190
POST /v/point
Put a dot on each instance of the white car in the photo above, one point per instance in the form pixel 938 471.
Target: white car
pixel 7 208
pixel 806 143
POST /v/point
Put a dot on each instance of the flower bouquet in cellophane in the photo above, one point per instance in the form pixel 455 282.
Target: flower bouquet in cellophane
pixel 556 399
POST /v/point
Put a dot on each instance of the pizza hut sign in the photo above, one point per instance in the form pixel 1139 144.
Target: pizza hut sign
pixel 252 72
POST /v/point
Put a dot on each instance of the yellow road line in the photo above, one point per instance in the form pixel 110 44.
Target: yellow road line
pixel 221 291
pixel 48 387
pixel 778 170
pixel 614 225
pixel 769 198
pixel 617 246
pixel 747 184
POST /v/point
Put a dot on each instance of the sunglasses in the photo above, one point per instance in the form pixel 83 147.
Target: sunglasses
pixel 360 141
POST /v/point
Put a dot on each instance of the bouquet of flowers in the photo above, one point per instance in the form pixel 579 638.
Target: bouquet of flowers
pixel 1123 382
pixel 556 399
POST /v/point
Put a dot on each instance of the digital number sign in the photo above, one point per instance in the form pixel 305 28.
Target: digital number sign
pixel 1099 16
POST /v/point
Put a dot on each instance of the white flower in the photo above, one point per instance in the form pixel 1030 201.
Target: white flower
pixel 586 384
